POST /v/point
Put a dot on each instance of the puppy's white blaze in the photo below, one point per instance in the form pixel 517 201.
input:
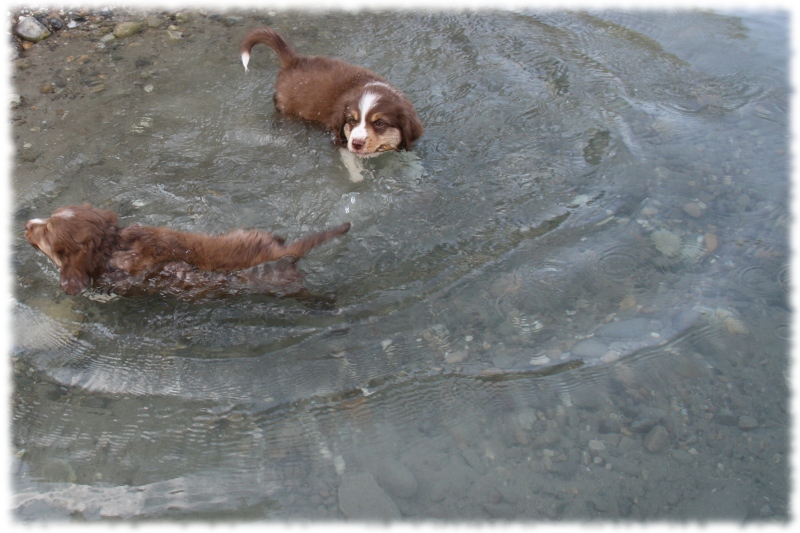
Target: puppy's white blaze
pixel 382 84
pixel 36 221
pixel 368 100
pixel 378 84
pixel 245 60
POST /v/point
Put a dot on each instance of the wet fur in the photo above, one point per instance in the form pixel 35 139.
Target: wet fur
pixel 328 91
pixel 88 246
pixel 183 281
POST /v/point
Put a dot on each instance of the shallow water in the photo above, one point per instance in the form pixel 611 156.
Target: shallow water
pixel 569 302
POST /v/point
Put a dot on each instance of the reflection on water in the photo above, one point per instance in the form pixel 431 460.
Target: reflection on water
pixel 570 302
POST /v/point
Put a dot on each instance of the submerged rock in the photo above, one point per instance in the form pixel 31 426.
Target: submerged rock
pixel 666 242
pixel 632 328
pixel 361 498
pixel 590 348
pixel 396 479
pixel 747 422
pixel 474 460
pixel 456 357
pixel 695 209
pixel 711 241
pixel 656 439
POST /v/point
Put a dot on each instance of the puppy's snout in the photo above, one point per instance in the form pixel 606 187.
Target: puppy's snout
pixel 358 144
pixel 29 234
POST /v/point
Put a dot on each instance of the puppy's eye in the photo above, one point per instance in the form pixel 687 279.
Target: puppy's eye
pixel 351 121
pixel 379 124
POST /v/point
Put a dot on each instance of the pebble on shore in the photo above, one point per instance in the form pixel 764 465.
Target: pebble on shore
pixel 126 29
pixel 31 30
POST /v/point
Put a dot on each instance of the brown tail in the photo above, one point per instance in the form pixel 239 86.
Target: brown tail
pixel 299 247
pixel 272 39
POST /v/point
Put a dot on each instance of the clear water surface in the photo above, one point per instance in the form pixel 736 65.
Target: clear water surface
pixel 570 301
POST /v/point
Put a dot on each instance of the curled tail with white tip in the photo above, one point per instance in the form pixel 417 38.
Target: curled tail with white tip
pixel 272 39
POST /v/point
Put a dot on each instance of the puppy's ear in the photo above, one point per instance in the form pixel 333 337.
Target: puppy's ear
pixel 75 272
pixel 412 130
pixel 110 217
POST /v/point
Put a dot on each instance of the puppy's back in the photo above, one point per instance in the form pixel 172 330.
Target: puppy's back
pixel 143 248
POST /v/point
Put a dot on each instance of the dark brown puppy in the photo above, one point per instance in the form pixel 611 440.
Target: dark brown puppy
pixel 183 281
pixel 365 113
pixel 86 244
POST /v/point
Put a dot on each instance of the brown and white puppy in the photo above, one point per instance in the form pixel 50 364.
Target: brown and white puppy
pixel 88 246
pixel 363 111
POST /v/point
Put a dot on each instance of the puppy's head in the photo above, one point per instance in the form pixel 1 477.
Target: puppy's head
pixel 376 119
pixel 78 239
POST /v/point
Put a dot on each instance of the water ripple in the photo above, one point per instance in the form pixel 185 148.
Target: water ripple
pixel 760 280
pixel 617 262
